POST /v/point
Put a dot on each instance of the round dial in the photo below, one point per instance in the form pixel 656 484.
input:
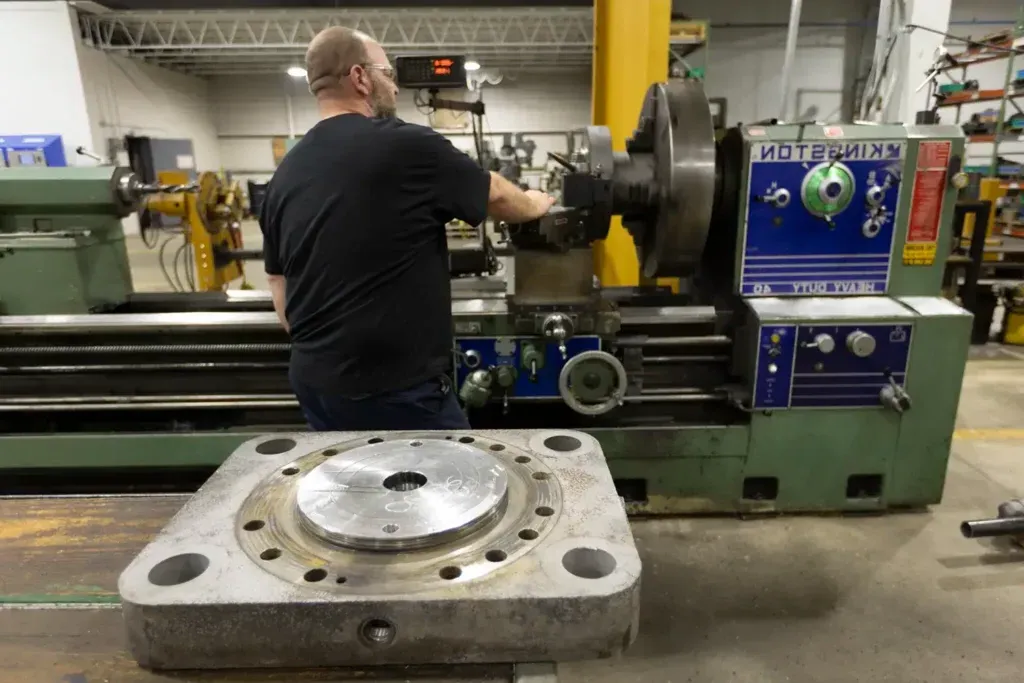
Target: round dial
pixel 860 343
pixel 825 343
pixel 827 189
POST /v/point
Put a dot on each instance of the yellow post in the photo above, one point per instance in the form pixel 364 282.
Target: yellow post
pixel 631 39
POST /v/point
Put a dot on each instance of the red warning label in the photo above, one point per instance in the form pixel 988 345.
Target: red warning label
pixel 929 191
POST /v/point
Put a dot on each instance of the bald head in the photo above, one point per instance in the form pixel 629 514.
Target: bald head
pixel 349 71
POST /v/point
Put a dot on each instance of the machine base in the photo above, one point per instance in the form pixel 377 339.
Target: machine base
pixel 555 577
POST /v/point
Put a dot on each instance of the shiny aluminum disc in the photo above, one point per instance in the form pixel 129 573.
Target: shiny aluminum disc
pixel 684 171
pixel 402 495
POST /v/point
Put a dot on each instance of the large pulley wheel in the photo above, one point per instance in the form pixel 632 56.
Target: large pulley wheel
pixel 592 382
pixel 684 175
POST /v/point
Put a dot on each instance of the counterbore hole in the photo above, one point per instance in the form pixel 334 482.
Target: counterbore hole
pixel 330 451
pixel 415 443
pixel 450 573
pixel 178 569
pixel 496 556
pixel 466 439
pixel 389 528
pixel 544 511
pixel 376 439
pixel 275 446
pixel 341 579
pixel 589 563
pixel 405 481
pixel 522 459
pixel 562 443
pixel 314 575
pixel 497 447
pixel 541 476
pixel 377 632
pixel 289 471
pixel 528 534
pixel 270 554
pixel 253 525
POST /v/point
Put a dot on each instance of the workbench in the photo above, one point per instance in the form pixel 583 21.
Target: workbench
pixel 60 617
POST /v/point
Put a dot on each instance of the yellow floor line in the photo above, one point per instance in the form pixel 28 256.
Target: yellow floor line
pixel 989 434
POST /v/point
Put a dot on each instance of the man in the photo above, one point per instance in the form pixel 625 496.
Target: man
pixel 355 247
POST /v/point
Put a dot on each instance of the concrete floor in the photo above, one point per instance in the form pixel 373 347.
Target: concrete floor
pixel 901 598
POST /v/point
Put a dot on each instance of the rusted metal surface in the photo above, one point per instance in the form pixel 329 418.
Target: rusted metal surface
pixel 71 549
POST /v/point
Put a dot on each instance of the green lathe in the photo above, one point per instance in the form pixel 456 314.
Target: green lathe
pixel 807 362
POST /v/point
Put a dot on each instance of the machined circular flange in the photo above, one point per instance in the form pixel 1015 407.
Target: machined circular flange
pixel 463 505
pixel 401 495
pixel 592 382
pixel 684 172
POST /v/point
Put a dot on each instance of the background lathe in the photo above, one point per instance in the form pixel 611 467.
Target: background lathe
pixel 807 362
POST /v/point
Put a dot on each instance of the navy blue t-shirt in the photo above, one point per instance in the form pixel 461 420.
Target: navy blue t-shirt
pixel 354 219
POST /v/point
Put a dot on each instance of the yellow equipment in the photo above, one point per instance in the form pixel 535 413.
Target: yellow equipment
pixel 211 212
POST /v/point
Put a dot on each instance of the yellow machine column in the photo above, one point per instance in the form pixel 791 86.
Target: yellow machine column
pixel 631 39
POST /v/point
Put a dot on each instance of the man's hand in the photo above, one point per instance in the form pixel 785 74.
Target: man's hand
pixel 542 202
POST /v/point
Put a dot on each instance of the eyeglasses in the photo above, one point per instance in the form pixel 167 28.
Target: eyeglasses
pixel 386 71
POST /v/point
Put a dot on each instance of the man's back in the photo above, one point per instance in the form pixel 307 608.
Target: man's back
pixel 354 220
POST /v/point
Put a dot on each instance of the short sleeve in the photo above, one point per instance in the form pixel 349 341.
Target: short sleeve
pixel 271 256
pixel 462 187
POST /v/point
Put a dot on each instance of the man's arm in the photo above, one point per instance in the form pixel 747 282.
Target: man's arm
pixel 277 295
pixel 469 193
pixel 508 203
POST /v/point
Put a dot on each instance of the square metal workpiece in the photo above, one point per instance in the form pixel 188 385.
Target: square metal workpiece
pixel 338 549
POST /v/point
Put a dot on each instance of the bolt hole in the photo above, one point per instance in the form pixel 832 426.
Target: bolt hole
pixel 528 535
pixel 523 459
pixel 270 554
pixel 496 556
pixel 375 439
pixel 330 451
pixel 178 569
pixel 415 443
pixel 466 439
pixel 377 632
pixel 544 511
pixel 389 528
pixel 497 447
pixel 275 446
pixel 541 476
pixel 450 573
pixel 253 525
pixel 314 575
pixel 405 481
pixel 449 437
pixel 289 471
pixel 589 563
pixel 341 579
pixel 562 443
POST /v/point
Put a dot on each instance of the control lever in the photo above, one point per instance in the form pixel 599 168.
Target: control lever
pixel 895 397
pixel 558 326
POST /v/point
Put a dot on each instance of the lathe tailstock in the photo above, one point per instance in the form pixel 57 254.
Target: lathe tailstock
pixel 807 361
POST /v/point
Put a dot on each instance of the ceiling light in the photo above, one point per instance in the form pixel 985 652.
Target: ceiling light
pixel 296 72
pixel 472 66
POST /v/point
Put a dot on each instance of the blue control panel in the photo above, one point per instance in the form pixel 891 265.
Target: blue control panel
pixel 32 150
pixel 829 366
pixel 820 218
pixel 489 352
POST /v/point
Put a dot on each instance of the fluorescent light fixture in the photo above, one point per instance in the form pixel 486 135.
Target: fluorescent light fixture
pixel 472 66
pixel 296 72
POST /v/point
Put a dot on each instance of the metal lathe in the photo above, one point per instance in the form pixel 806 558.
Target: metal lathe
pixel 807 361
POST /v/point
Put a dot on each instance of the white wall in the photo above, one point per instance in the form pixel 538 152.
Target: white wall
pixel 41 88
pixel 128 97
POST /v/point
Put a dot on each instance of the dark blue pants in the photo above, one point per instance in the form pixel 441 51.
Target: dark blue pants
pixel 431 405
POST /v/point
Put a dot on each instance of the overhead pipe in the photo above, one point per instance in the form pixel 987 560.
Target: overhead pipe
pixel 787 64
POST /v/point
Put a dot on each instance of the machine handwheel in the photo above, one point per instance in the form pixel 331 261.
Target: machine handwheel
pixel 592 383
